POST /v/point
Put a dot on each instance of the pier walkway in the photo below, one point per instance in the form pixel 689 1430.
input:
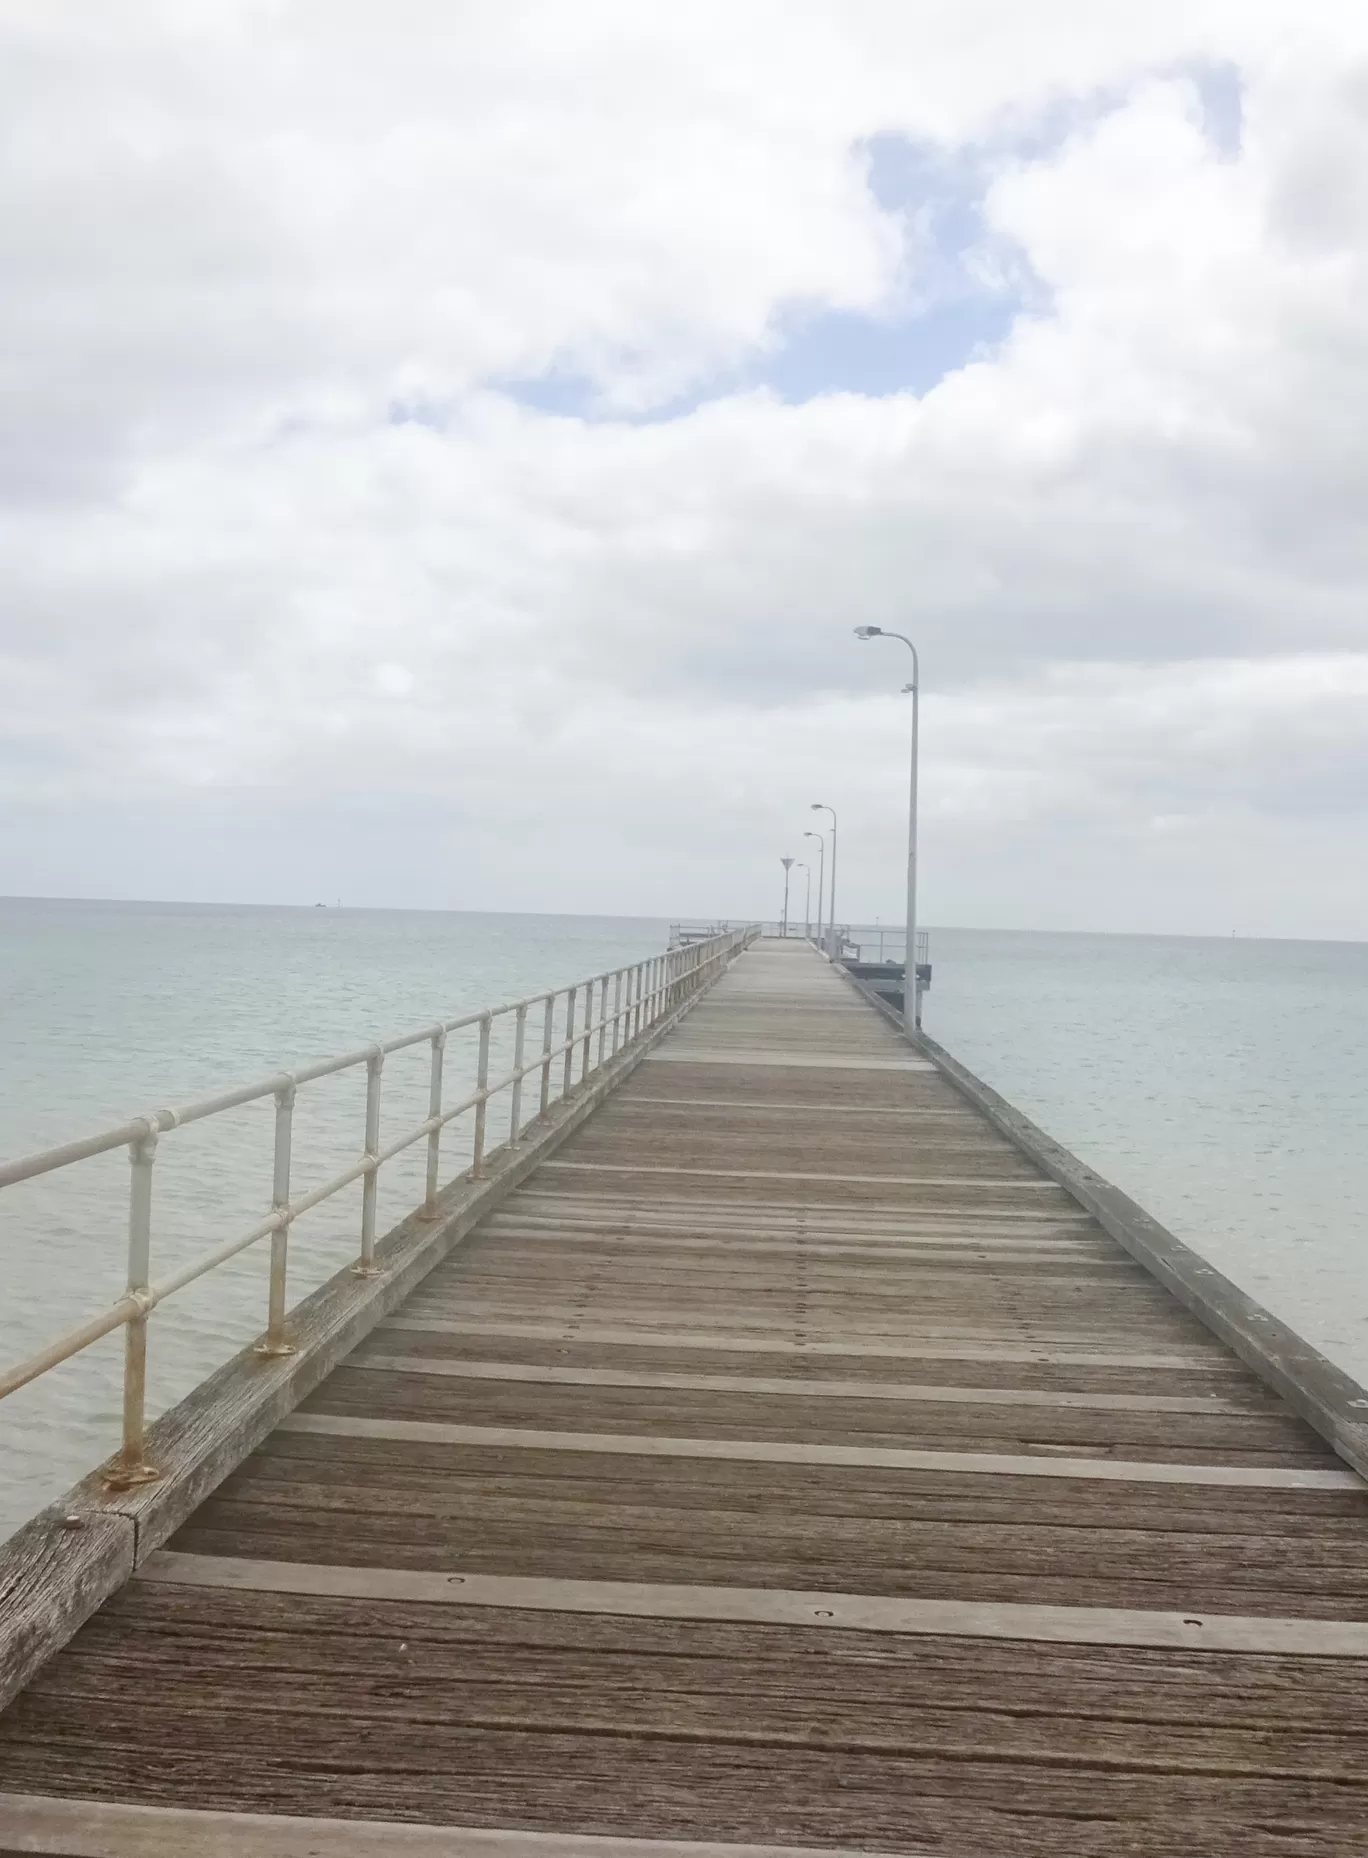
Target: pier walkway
pixel 788 1463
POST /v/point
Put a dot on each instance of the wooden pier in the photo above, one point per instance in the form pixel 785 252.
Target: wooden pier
pixel 787 1463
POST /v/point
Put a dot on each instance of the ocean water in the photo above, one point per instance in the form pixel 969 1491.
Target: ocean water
pixel 108 1009
pixel 1222 1083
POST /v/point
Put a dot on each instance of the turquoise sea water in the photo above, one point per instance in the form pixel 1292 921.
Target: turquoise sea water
pixel 1222 1083
pixel 107 1009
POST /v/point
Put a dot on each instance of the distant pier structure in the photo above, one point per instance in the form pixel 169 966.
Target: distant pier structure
pixel 761 1442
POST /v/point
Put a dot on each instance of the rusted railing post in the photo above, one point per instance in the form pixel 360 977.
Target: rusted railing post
pixel 481 1099
pixel 366 1266
pixel 519 1043
pixel 131 1466
pixel 548 1037
pixel 276 1341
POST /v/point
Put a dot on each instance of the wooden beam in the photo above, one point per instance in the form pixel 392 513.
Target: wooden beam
pixel 796 1389
pixel 104 1829
pixel 780 1451
pixel 838 1612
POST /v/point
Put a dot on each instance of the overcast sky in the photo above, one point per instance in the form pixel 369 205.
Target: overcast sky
pixel 445 449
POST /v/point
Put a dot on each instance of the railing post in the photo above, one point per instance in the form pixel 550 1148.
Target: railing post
pixel 603 1019
pixel 434 1150
pixel 366 1266
pixel 634 1015
pixel 131 1466
pixel 548 1035
pixel 477 1166
pixel 588 1030
pixel 569 1041
pixel 617 1010
pixel 519 1042
pixel 276 1341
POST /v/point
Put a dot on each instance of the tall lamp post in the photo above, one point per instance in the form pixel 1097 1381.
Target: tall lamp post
pixel 818 807
pixel 821 876
pixel 786 862
pixel 911 989
pixel 807 904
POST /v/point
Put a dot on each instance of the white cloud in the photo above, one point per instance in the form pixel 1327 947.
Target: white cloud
pixel 241 241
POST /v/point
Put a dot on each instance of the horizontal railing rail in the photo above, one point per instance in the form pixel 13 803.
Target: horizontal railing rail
pixel 642 993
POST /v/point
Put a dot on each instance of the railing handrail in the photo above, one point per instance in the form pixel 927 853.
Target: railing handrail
pixel 643 992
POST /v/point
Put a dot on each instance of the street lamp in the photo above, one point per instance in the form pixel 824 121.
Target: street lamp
pixel 821 876
pixel 911 990
pixel 786 862
pixel 818 807
pixel 807 906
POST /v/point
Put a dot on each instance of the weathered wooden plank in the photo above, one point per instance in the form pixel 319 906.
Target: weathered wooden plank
pixel 108 1829
pixel 980 1464
pixel 832 1390
pixel 723 1342
pixel 1067 1625
pixel 787 1061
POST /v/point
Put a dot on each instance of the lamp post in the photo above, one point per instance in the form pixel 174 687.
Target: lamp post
pixel 786 862
pixel 807 903
pixel 819 807
pixel 911 990
pixel 821 877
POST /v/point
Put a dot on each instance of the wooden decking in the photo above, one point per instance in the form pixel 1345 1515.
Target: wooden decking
pixel 789 1464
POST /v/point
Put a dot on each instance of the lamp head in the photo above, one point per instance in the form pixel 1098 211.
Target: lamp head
pixel 869 632
pixel 817 807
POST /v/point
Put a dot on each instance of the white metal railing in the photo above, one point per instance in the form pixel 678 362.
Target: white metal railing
pixel 642 994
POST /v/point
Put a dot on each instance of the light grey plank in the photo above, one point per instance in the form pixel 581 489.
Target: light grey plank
pixel 794 1388
pixel 909 1112
pixel 1024 1182
pixel 789 1061
pixel 102 1829
pixel 778 1451
pixel 841 1612
pixel 922 1251
pixel 1212 1363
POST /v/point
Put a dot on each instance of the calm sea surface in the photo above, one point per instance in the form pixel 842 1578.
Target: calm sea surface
pixel 1223 1084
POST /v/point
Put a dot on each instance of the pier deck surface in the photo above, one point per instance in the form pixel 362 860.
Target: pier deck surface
pixel 789 1464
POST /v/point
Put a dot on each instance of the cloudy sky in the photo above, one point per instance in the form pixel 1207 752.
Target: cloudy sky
pixel 445 449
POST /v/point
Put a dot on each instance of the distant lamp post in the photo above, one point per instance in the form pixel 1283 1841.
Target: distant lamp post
pixel 911 988
pixel 787 864
pixel 821 878
pixel 819 807
pixel 807 901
